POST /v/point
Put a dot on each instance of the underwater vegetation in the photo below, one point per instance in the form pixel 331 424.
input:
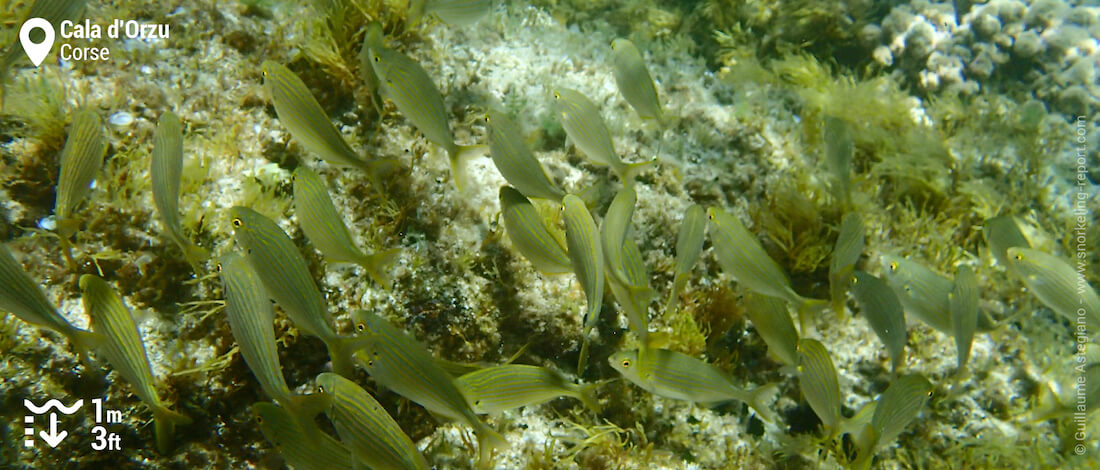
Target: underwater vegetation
pixel 466 234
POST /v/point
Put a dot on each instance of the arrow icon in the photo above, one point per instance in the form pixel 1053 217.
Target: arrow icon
pixel 53 438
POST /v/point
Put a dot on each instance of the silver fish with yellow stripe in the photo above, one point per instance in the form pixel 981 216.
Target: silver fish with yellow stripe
pixel 308 123
pixel 165 172
pixel 371 434
pixel 25 299
pixel 898 406
pixel 743 257
pixel 849 248
pixel 818 381
pixel 586 256
pixel 626 272
pixel 305 447
pixel 287 279
pixel 689 245
pixel 325 228
pixel 459 13
pixel 515 161
pixel 494 389
pixel 880 305
pixel 80 161
pixel 397 361
pixel 772 321
pixel 530 236
pixel 634 81
pixel 124 350
pixel 585 127
pixel 1057 285
pixel 407 84
pixel 251 320
pixel 963 301
pixel 675 375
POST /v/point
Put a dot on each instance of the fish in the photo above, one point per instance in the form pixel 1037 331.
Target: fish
pixel 458 13
pixel 675 375
pixel 586 257
pixel 308 123
pixel 586 129
pixel 25 299
pixel 494 389
pixel 365 427
pixel 125 351
pixel 839 151
pixel 849 247
pixel 742 257
pixel 818 381
pixel 634 81
pixel 1001 233
pixel 772 321
pixel 304 447
pixel 879 304
pixel 287 279
pixel 924 293
pixel 634 293
pixel 402 364
pixel 898 406
pixel 529 234
pixel 372 39
pixel 963 301
pixel 166 167
pixel 252 322
pixel 689 245
pixel 325 228
pixel 614 232
pixel 515 161
pixel 80 161
pixel 625 271
pixel 403 81
pixel 1056 284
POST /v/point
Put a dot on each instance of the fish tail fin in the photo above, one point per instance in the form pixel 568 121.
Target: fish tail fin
pixel 807 310
pixel 582 361
pixel 342 357
pixel 341 351
pixel 308 406
pixel 166 421
pixel 760 398
pixel 459 157
pixel 587 395
pixel 488 440
pixel 378 169
pixel 838 292
pixel 85 341
pixel 195 255
pixel 678 284
pixel 378 266
pixel 632 170
pixel 303 408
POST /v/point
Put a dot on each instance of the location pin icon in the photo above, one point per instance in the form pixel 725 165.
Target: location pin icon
pixel 36 52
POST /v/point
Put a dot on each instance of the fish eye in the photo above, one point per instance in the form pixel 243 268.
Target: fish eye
pixel 855 280
pixel 260 419
pixel 626 363
pixel 1019 257
pixel 218 267
pixel 370 363
pixel 893 266
pixel 237 222
pixel 377 58
pixel 557 95
pixel 361 327
pixel 320 389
